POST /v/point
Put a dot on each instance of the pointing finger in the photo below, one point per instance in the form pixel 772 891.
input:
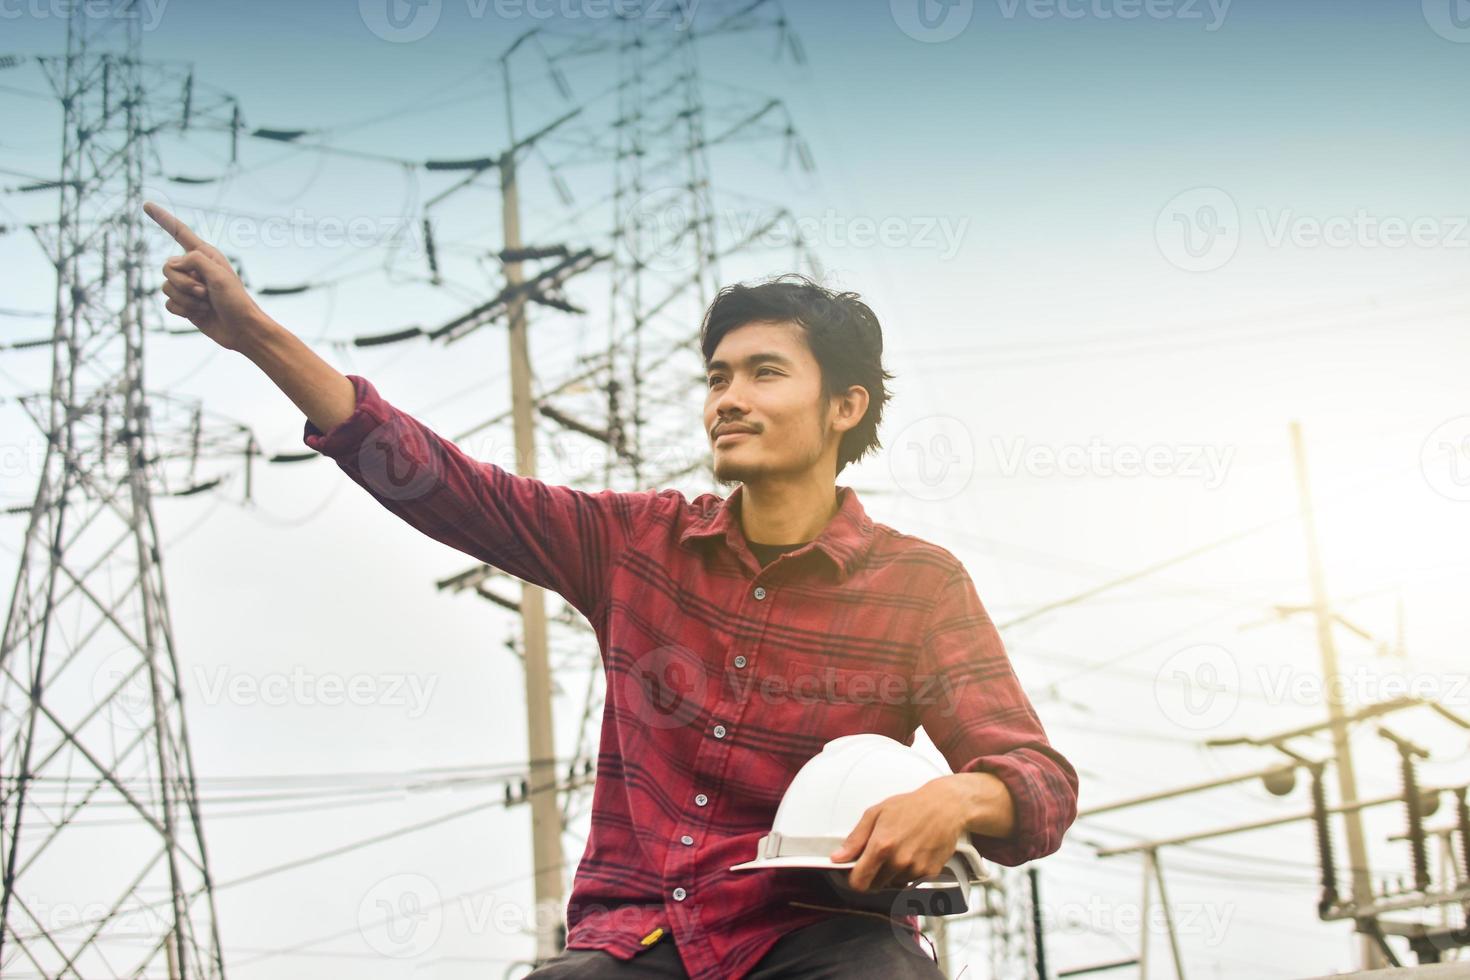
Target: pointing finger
pixel 171 224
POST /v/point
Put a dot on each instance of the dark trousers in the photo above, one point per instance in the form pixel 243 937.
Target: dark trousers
pixel 843 946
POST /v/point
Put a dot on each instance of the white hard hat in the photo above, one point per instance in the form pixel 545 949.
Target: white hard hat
pixel 826 800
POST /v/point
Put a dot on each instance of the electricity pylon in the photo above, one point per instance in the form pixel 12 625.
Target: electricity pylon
pixel 91 717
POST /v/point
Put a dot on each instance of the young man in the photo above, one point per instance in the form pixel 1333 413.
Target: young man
pixel 738 636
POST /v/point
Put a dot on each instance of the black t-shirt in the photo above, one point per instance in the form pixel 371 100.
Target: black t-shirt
pixel 767 553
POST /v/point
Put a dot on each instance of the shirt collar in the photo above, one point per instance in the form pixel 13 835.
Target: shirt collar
pixel 844 540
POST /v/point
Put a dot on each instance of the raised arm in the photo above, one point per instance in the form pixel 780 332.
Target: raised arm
pixel 202 287
pixel 557 537
pixel 560 538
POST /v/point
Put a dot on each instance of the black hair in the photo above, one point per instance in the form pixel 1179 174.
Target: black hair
pixel 841 330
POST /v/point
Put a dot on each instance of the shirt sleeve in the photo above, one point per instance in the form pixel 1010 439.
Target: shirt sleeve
pixel 981 721
pixel 559 538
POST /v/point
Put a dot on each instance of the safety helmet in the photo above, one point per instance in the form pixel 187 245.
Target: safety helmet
pixel 826 800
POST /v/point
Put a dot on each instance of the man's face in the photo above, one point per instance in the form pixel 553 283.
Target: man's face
pixel 763 377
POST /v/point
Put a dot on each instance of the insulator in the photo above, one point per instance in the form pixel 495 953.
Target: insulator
pixel 250 451
pixel 798 50
pixel 1464 821
pixel 479 163
pixel 562 190
pixel 1414 805
pixel 388 338
pixel 1324 844
pixel 430 252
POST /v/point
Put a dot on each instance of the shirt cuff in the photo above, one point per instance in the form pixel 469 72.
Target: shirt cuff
pixel 1029 837
pixel 369 412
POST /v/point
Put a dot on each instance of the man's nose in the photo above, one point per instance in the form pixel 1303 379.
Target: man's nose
pixel 732 400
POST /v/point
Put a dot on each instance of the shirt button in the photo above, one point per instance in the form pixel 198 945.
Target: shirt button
pixel 760 591
pixel 740 661
pixel 719 731
pixel 679 894
pixel 686 840
pixel 701 800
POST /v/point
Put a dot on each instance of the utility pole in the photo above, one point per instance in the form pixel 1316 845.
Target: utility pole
pixel 1347 783
pixel 1037 934
pixel 540 737
pixel 630 311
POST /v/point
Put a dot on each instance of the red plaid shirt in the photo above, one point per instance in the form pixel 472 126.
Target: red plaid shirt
pixel 724 677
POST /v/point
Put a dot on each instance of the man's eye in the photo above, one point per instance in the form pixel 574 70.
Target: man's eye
pixel 772 370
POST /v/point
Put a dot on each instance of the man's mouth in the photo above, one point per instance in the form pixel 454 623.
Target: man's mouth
pixel 732 435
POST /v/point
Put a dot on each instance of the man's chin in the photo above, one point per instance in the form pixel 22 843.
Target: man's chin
pixel 730 471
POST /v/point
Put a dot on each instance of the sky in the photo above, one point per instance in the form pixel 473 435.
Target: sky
pixel 1117 249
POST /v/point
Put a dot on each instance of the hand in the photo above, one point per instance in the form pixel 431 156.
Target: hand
pixel 908 836
pixel 202 287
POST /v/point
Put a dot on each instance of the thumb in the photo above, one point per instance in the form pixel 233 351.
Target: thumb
pixel 852 846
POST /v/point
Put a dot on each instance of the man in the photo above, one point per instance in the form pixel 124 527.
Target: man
pixel 738 636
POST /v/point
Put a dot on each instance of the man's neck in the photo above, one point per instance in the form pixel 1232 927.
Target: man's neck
pixel 786 513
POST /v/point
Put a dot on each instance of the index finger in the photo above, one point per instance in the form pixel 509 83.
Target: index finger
pixel 171 224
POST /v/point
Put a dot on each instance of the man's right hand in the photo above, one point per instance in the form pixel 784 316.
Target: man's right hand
pixel 202 287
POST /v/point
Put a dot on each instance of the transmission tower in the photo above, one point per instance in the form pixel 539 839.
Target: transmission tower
pixel 91 718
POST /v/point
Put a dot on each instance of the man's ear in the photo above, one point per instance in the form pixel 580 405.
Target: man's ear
pixel 851 407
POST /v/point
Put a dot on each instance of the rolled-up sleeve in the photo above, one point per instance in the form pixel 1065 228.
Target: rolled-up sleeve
pixel 981 721
pixel 557 537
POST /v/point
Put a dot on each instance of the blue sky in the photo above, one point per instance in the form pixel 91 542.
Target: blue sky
pixel 1053 299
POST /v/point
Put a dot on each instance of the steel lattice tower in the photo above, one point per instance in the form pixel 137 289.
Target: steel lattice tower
pixel 665 252
pixel 91 719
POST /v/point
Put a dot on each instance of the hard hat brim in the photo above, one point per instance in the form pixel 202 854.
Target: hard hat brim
pixel 794 861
